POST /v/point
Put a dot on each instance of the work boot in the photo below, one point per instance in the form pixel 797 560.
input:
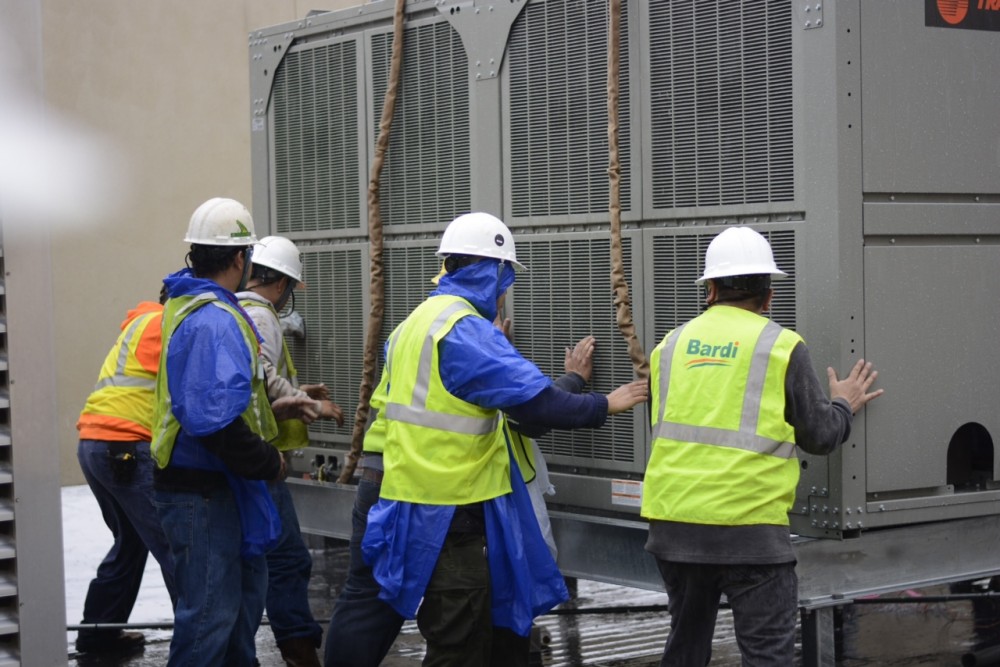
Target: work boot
pixel 299 652
pixel 110 642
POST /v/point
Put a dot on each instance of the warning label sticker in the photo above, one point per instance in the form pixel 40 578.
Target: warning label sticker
pixel 626 492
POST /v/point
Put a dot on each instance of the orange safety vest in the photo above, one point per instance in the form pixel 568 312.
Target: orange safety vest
pixel 121 406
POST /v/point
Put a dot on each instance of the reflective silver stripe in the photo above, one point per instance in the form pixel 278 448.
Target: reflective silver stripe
pixel 708 435
pixel 119 379
pixel 668 355
pixel 758 373
pixel 423 383
pixel 440 420
pixel 746 438
pixel 417 413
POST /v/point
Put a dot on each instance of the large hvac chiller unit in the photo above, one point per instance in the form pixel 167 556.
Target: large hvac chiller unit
pixel 860 137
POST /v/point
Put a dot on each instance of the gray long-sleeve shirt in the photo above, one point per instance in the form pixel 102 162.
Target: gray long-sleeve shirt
pixel 820 424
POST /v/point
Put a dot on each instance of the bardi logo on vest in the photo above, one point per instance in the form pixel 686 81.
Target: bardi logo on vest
pixel 711 355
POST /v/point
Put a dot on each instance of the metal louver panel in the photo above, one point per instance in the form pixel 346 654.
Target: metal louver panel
pixel 721 102
pixel 315 114
pixel 333 351
pixel 679 260
pixel 408 273
pixel 426 175
pixel 559 302
pixel 557 62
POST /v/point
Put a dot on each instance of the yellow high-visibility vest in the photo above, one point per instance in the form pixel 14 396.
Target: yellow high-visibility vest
pixel 723 453
pixel 439 449
pixel 121 406
pixel 257 415
pixel 292 433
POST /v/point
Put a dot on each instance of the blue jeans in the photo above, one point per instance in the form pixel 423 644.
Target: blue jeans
pixel 289 567
pixel 362 627
pixel 764 600
pixel 127 508
pixel 220 596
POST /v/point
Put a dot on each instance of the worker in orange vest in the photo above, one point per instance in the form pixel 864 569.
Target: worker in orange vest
pixel 114 456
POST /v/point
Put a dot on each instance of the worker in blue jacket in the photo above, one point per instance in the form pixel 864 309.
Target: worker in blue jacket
pixel 211 427
pixel 453 541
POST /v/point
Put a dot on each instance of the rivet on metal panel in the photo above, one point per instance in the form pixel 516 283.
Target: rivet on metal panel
pixel 492 73
pixel 848 525
pixel 814 523
pixel 836 509
pixel 805 508
pixel 848 510
pixel 881 508
pixel 824 492
pixel 826 510
pixel 812 490
pixel 860 525
pixel 826 524
pixel 860 511
pixel 836 524
pixel 892 197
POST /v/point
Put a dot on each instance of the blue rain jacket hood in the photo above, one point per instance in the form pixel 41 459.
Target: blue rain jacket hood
pixel 200 415
pixel 481 284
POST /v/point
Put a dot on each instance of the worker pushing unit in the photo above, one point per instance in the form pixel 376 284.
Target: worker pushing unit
pixel 450 486
pixel 734 396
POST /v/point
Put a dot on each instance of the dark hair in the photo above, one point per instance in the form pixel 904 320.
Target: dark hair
pixel 453 263
pixel 753 288
pixel 211 260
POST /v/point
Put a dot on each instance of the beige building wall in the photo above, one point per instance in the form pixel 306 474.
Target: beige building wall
pixel 167 81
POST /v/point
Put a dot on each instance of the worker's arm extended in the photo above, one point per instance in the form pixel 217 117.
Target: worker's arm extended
pixel 820 424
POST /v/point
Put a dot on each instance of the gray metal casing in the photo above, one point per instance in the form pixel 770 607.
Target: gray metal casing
pixel 875 177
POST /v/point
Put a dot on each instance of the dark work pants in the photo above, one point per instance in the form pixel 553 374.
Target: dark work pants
pixel 764 601
pixel 362 627
pixel 454 617
pixel 128 511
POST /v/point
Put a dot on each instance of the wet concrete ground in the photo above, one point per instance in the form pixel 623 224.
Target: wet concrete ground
pixel 910 632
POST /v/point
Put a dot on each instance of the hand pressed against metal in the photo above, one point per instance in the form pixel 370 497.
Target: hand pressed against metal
pixel 580 358
pixel 854 388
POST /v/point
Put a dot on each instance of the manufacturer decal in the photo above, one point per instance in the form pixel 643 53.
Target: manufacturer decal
pixel 963 14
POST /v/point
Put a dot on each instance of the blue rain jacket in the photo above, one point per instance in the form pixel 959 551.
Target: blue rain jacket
pixel 403 540
pixel 209 374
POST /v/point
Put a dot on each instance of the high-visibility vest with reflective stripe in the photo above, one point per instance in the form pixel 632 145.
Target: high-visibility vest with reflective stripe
pixel 524 452
pixel 121 406
pixel 440 450
pixel 723 453
pixel 292 433
pixel 374 442
pixel 257 415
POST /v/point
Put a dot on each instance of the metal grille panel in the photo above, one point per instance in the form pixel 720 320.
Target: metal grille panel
pixel 679 260
pixel 426 176
pixel 315 113
pixel 559 302
pixel 557 60
pixel 333 350
pixel 721 102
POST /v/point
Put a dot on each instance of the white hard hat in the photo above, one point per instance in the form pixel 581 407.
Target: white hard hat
pixel 221 221
pixel 479 235
pixel 739 251
pixel 280 254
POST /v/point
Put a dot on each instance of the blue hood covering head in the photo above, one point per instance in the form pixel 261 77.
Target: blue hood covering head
pixel 481 284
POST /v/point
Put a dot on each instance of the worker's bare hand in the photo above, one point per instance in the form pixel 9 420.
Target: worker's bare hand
pixel 296 407
pixel 628 395
pixel 283 470
pixel 580 358
pixel 318 392
pixel 330 410
pixel 854 388
pixel 505 326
